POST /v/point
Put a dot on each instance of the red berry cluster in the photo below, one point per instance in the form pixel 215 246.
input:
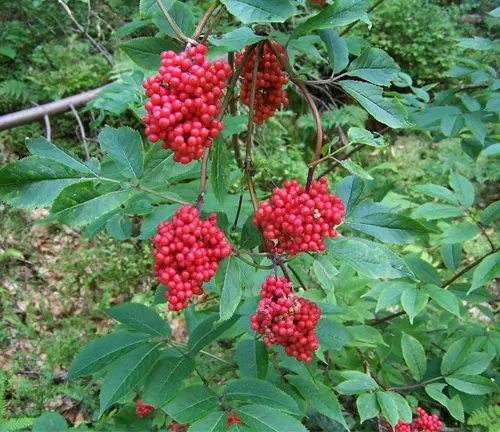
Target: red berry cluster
pixel 187 251
pixel 423 423
pixel 269 94
pixel 176 427
pixel 233 418
pixel 318 1
pixel 286 320
pixel 295 221
pixel 184 98
pixel 143 410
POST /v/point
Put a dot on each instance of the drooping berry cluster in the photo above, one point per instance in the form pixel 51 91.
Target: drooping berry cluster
pixel 423 423
pixel 187 251
pixel 143 410
pixel 269 94
pixel 184 98
pixel 286 320
pixel 233 418
pixel 293 220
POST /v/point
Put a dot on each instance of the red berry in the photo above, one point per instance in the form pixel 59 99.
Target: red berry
pixel 293 220
pixel 269 94
pixel 187 252
pixel 143 410
pixel 286 320
pixel 181 96
pixel 176 427
pixel 233 418
pixel 423 423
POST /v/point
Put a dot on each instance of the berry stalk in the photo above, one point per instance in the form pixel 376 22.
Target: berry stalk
pixel 173 24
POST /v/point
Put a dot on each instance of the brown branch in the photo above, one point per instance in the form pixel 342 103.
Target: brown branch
pixel 414 386
pixel 443 286
pixel 203 178
pixel 368 371
pixel 214 24
pixel 204 20
pixel 335 164
pixel 82 132
pixel 232 111
pixel 173 24
pixel 314 110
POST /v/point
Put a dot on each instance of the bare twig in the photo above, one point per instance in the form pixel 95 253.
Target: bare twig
pixel 214 24
pixel 335 164
pixel 173 24
pixel 204 19
pixel 46 120
pixel 82 132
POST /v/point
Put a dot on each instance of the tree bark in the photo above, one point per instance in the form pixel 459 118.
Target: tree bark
pixel 30 115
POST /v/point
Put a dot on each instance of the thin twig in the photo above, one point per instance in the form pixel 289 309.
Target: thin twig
pixel 238 211
pixel 480 226
pixel 335 164
pixel 178 32
pixel 82 132
pixel 204 20
pixel 46 120
pixel 214 24
pixel 414 386
pixel 232 111
pixel 368 371
pixel 314 110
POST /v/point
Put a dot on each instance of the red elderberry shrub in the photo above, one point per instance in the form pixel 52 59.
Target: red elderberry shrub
pixel 183 100
pixel 143 410
pixel 423 423
pixel 233 418
pixel 293 220
pixel 176 427
pixel 269 94
pixel 286 320
pixel 187 252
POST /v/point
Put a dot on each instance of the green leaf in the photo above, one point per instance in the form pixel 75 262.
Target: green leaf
pixel 436 191
pixel 265 419
pixel 374 65
pixel 336 48
pixel 413 302
pixel 255 391
pixel 386 110
pixel 234 125
pixel 475 363
pixel 237 39
pixel 182 16
pixel 252 358
pixel 250 236
pixel 367 406
pixel 356 383
pixel 341 13
pixel 495 12
pixel 414 355
pixel 35 181
pixel 472 384
pixel 41 147
pixel 49 422
pixel 165 379
pixel 388 407
pixel 192 403
pixel 124 146
pixel 213 422
pixel 149 7
pixel 159 166
pixel 479 43
pixel 145 51
pixel 452 125
pixel 320 397
pixel 140 318
pixel 251 11
pixel 117 229
pixel 130 27
pixel 150 223
pixel 446 299
pixel 220 170
pixel 436 211
pixel 404 410
pixel 8 51
pixel 357 135
pixel 368 258
pixel 476 126
pixel 126 374
pixel 325 271
pixel 460 233
pixel 356 169
pixel 486 271
pixel 492 150
pixel 391 294
pixel 80 203
pixel 332 334
pixel 451 253
pixel 227 281
pixel 350 190
pixel 490 213
pixel 387 227
pixel 463 188
pixel 424 270
pixel 206 332
pixel 453 405
pixel 104 351
pixel 455 355
pixel 368 335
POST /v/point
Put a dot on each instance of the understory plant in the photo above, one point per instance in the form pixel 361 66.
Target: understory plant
pixel 338 306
